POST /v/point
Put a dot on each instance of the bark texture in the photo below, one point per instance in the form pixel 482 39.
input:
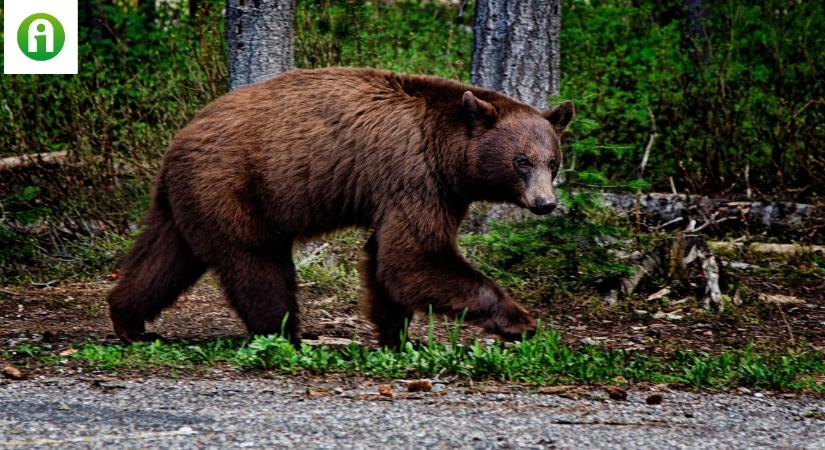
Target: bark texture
pixel 259 39
pixel 555 46
pixel 516 48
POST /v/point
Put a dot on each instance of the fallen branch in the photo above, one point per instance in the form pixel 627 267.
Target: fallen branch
pixel 24 161
pixel 767 248
pixel 647 153
pixel 686 258
pixel 313 255
pixel 661 208
pixel 673 211
pixel 649 143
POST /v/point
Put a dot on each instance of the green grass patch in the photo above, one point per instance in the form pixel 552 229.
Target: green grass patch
pixel 541 360
pixel 329 268
pixel 180 355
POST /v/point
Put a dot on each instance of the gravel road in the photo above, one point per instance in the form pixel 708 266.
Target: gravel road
pixel 283 412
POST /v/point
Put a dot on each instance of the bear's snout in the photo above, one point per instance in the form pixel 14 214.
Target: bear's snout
pixel 539 196
pixel 543 205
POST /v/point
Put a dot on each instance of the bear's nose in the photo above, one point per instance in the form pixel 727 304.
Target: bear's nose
pixel 543 205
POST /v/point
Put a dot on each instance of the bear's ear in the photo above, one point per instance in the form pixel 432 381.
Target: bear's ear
pixel 479 109
pixel 560 116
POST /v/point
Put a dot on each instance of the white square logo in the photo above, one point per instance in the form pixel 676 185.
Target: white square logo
pixel 39 36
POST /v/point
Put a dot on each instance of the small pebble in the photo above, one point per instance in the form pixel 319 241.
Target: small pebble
pixel 654 399
pixel 420 386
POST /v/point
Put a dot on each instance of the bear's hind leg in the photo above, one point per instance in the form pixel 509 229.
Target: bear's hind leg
pixel 261 287
pixel 157 270
pixel 390 317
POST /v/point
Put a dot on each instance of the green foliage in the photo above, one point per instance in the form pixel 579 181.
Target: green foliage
pixel 154 354
pixel 746 101
pixel 744 106
pixel 552 254
pixel 404 36
pixel 137 85
pixel 329 270
pixel 541 360
pixel 18 211
pixel 87 257
pixel 139 82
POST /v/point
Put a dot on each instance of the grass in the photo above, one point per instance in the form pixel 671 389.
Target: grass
pixel 540 360
pixel 83 259
pixel 329 269
pixel 566 256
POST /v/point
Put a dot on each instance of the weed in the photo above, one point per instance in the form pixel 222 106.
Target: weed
pixel 542 359
pixel 328 271
pixel 554 255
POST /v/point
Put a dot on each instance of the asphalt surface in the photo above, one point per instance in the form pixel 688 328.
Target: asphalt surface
pixel 285 413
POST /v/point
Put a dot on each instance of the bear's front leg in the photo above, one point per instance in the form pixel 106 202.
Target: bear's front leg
pixel 424 272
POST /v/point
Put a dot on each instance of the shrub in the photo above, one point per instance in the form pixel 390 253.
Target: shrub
pixel 746 112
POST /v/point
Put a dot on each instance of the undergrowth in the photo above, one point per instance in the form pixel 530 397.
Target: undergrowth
pixel 328 269
pixel 744 114
pixel 556 257
pixel 540 360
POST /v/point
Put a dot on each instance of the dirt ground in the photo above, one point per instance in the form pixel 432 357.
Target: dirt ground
pixel 74 312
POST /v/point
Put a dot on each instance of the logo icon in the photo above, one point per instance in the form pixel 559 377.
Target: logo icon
pixel 41 37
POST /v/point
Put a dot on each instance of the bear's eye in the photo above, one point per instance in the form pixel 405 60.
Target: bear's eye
pixel 522 162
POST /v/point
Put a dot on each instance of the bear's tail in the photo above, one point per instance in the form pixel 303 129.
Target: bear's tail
pixel 159 267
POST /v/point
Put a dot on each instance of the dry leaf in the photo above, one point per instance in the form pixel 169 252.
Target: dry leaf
pixel 385 390
pixel 780 299
pixel 68 352
pixel 315 392
pixel 554 389
pixel 13 373
pixel 616 393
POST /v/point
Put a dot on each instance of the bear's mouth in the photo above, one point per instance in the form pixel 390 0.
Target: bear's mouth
pixel 537 210
pixel 542 211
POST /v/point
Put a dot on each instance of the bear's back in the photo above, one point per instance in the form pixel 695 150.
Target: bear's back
pixel 339 141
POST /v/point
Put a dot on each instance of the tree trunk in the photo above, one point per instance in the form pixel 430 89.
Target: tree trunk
pixel 697 12
pixel 259 39
pixel 194 6
pixel 516 48
pixel 91 20
pixel 555 47
pixel 148 11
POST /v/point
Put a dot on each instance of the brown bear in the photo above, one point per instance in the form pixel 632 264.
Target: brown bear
pixel 311 151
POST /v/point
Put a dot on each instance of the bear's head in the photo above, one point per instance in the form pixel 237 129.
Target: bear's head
pixel 515 151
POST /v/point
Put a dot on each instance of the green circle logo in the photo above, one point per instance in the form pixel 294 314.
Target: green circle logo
pixel 41 37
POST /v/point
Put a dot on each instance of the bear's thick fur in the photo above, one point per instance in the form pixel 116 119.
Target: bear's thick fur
pixel 311 151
